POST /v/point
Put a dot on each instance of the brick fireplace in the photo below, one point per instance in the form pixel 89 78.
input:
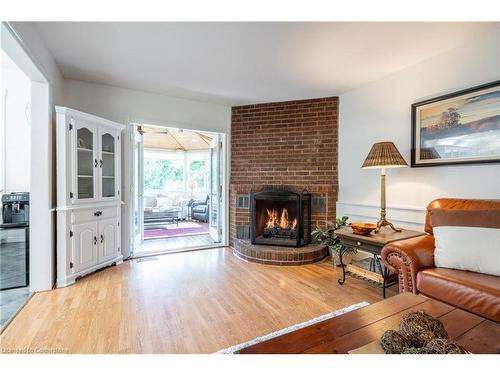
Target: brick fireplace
pixel 288 146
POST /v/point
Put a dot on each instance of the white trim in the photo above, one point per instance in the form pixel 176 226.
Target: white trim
pixel 406 217
pixel 404 208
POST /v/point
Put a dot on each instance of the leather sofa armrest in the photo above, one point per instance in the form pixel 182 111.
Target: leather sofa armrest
pixel 407 258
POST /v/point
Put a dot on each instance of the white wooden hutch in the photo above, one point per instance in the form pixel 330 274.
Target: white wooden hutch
pixel 88 194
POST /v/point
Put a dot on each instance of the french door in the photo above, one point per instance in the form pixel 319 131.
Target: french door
pixel 138 186
pixel 215 203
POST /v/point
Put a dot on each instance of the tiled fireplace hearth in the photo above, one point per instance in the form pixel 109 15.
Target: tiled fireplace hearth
pixel 287 146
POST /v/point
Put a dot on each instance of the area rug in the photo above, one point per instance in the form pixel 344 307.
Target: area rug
pixel 172 230
pixel 238 347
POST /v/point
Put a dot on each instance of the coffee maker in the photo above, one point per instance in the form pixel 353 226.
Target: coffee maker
pixel 14 240
pixel 15 209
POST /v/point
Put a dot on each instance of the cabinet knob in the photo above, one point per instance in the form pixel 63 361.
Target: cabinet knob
pixel 102 238
pixel 98 213
pixel 100 163
pixel 95 240
pixel 95 163
pixel 358 243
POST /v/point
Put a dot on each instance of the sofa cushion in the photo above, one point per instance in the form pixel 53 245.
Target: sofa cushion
pixel 468 240
pixel 149 201
pixel 200 208
pixel 474 292
pixel 164 202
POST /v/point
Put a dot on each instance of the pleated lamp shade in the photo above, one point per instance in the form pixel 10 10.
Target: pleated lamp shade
pixel 384 154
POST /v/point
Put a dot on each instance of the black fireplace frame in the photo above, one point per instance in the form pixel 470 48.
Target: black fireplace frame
pixel 277 194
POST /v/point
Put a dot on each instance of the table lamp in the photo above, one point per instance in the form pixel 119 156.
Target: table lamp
pixel 191 186
pixel 384 155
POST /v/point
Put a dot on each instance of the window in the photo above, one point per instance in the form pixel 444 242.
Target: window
pixel 197 173
pixel 180 172
pixel 163 173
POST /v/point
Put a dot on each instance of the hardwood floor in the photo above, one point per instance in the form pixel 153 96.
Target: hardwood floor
pixel 194 302
pixel 174 244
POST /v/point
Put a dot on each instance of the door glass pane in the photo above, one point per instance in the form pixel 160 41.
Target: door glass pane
pixel 108 165
pixel 85 163
pixel 214 208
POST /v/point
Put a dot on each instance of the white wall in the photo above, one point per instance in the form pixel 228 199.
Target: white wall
pixel 16 88
pixel 381 111
pixel 125 106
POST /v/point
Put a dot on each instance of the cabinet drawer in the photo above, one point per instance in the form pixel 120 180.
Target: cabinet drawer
pixel 79 216
pixel 362 245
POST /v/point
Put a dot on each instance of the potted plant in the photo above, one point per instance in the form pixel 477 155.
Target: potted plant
pixel 326 236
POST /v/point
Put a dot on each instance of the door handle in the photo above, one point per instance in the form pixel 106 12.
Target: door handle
pixel 102 238
pixel 95 240
pixel 100 163
pixel 95 163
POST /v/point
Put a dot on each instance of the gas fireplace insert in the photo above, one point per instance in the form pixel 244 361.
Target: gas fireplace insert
pixel 281 218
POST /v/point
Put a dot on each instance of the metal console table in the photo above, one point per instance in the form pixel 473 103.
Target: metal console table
pixel 372 244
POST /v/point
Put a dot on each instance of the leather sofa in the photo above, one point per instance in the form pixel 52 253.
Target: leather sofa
pixel 199 210
pixel 413 261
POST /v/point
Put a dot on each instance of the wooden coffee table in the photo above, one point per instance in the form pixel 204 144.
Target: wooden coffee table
pixel 355 329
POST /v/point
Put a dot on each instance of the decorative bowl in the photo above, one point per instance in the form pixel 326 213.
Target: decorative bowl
pixel 363 228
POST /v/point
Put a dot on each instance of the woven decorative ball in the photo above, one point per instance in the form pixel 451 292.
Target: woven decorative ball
pixel 413 350
pixel 444 346
pixel 419 328
pixel 393 342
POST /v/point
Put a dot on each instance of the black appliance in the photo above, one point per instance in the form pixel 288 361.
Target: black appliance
pixel 14 241
pixel 15 209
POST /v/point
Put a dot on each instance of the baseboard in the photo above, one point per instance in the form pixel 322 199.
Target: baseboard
pixel 70 279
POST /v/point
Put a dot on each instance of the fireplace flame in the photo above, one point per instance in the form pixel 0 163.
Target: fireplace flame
pixel 284 219
pixel 283 222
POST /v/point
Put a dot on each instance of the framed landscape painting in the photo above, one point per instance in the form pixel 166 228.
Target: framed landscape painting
pixel 458 128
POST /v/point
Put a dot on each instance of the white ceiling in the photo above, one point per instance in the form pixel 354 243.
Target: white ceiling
pixel 241 63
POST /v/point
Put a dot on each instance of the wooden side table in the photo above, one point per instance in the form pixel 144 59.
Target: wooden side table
pixel 373 244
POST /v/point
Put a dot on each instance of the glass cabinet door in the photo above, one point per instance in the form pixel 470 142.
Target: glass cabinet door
pixel 107 164
pixel 85 163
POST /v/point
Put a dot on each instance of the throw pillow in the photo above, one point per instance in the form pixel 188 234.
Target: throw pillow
pixel 164 202
pixel 467 240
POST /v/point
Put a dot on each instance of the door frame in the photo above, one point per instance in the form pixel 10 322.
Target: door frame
pixel 214 147
pixel 42 211
pixel 128 174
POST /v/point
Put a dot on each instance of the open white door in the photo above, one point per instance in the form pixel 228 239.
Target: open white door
pixel 214 219
pixel 138 175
